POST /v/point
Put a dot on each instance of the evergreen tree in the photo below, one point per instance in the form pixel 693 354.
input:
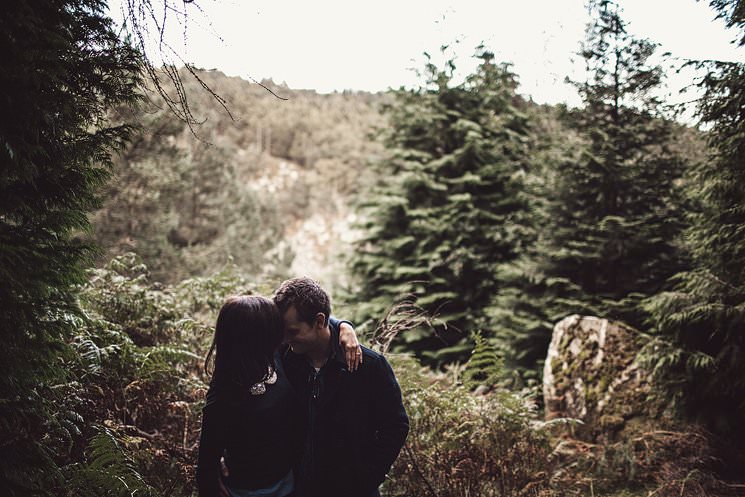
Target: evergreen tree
pixel 703 318
pixel 611 214
pixel 63 66
pixel 449 207
pixel 520 317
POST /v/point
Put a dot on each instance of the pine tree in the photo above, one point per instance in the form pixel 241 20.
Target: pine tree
pixel 63 66
pixel 703 318
pixel 449 207
pixel 610 218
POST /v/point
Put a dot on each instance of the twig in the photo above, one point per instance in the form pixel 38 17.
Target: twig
pixel 419 471
pixel 267 89
pixel 149 436
pixel 402 316
pixel 141 18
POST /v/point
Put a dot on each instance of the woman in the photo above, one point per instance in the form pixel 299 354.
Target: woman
pixel 251 415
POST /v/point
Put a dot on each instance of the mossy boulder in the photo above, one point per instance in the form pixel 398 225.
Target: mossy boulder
pixel 591 374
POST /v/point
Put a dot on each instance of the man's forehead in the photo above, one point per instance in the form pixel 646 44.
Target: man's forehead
pixel 290 316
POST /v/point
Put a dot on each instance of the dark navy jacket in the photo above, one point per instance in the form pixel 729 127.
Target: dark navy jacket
pixel 356 422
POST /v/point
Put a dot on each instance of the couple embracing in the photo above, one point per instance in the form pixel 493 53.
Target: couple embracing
pixel 295 406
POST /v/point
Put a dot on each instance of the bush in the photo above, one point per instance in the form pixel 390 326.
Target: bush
pixel 465 444
pixel 132 418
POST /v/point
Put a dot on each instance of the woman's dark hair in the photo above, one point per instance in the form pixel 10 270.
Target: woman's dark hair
pixel 248 331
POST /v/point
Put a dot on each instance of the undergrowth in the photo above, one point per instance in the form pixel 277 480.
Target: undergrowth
pixel 129 421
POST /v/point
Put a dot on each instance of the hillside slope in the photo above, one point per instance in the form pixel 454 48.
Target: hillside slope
pixel 267 186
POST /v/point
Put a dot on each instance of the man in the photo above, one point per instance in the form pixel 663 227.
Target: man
pixel 356 422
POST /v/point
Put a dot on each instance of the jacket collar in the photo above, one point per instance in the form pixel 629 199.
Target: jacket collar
pixel 336 352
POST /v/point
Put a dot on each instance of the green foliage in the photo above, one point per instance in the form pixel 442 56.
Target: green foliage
pixel 448 207
pixel 138 361
pixel 240 188
pixel 702 320
pixel 465 444
pixel 186 210
pixel 611 213
pixel 107 471
pixel 520 320
pixel 64 67
pixel 484 368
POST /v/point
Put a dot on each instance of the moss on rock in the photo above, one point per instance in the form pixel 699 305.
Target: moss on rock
pixel 591 374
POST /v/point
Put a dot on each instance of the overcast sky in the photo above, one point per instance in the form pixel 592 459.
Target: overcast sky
pixel 335 45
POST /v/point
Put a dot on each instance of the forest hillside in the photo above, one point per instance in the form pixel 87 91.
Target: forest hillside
pixel 268 183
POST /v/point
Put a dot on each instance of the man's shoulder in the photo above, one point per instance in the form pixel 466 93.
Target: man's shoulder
pixel 371 354
pixel 375 363
pixel 371 357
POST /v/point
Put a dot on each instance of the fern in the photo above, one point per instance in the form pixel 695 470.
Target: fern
pixel 165 359
pixel 484 367
pixel 108 471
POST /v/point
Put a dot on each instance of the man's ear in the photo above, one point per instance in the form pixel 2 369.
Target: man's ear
pixel 320 320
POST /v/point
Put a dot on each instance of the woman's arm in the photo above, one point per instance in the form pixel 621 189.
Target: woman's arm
pixel 349 342
pixel 212 441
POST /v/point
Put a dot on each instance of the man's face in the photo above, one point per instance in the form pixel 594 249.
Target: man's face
pixel 298 334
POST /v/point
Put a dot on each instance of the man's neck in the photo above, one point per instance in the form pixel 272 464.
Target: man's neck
pixel 319 354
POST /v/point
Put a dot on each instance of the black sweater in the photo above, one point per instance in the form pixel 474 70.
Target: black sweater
pixel 261 436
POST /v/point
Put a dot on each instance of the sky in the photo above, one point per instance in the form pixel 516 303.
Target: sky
pixel 333 45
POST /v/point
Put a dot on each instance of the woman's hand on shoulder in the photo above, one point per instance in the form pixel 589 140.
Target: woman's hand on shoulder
pixel 350 345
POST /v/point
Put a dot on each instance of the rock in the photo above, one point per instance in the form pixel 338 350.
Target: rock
pixel 590 374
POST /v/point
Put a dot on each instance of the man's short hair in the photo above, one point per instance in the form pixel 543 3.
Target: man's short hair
pixel 307 296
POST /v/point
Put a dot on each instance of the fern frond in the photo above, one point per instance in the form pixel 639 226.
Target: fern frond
pixel 108 471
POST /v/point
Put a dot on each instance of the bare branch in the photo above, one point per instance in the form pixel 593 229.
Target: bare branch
pixel 146 21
